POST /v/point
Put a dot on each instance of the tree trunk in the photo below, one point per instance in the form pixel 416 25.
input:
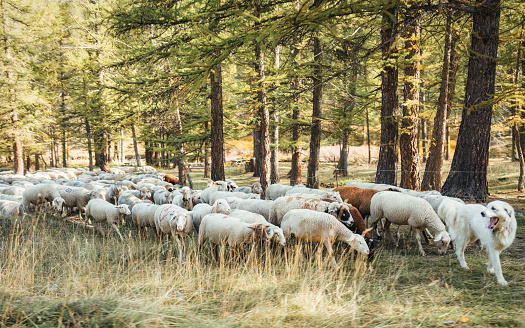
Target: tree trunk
pixel 18 153
pixel 90 151
pixel 206 157
pixel 52 155
pixel 274 159
pixel 468 173
pixel 388 152
pixel 122 153
pixel 37 163
pixel 135 146
pixel 312 180
pixel 264 160
pixel 342 165
pixel 424 138
pixel 454 65
pixel 217 139
pixel 64 149
pixel 408 144
pixel 432 179
pixel 296 174
pixel 28 163
pixel 515 132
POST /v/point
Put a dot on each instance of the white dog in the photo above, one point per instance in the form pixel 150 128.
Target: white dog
pixel 495 227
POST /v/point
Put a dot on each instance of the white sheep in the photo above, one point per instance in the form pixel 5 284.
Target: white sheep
pixel 274 232
pixel 101 210
pixel 184 199
pixel 143 215
pixel 162 196
pixel 324 195
pixel 206 193
pixel 254 188
pixel 201 210
pixel 404 209
pixel 11 208
pixel 312 226
pixel 131 200
pixel 282 205
pixel 77 197
pixel 40 194
pixel 113 192
pixel 174 219
pixel 276 190
pixel 222 229
pixel 223 194
pixel 258 206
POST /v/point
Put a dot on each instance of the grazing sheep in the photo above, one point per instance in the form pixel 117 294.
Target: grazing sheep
pixel 277 190
pixel 113 193
pixel 258 206
pixel 162 196
pixel 231 185
pixel 223 229
pixel 101 210
pixel 129 184
pixel 254 188
pixel 40 194
pixel 184 199
pixel 282 205
pixel 206 193
pixel 171 179
pixel 174 219
pixel 326 195
pixel 312 226
pixel 11 208
pixel 404 209
pixel 359 198
pixel 223 194
pixel 274 232
pixel 143 215
pixel 131 200
pixel 77 197
pixel 201 210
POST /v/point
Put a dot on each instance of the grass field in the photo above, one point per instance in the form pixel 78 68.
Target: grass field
pixel 56 273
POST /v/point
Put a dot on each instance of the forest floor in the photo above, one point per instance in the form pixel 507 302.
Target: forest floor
pixel 56 273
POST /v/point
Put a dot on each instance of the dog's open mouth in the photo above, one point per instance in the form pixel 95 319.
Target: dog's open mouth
pixel 493 222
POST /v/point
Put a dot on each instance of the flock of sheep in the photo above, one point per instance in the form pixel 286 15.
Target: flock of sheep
pixel 224 213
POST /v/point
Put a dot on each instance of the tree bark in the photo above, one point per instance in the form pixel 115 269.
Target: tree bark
pixel 454 65
pixel 37 163
pixel 264 160
pixel 274 158
pixel 432 179
pixel 468 172
pixel 408 144
pixel 295 173
pixel 217 138
pixel 135 145
pixel 64 149
pixel 312 179
pixel 424 138
pixel 28 163
pixel 388 152
pixel 206 157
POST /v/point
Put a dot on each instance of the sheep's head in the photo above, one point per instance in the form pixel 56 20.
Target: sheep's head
pixel 210 183
pixel 256 188
pixel 332 195
pixel 93 194
pixel 144 193
pixel 221 186
pixel 169 197
pixel 254 196
pixel 342 212
pixel 442 240
pixel 358 243
pixel 181 219
pixel 259 232
pixel 276 233
pixel 221 206
pixel 123 209
pixel 58 202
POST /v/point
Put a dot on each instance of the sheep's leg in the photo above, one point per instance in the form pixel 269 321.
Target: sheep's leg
pixel 116 229
pixel 388 233
pixel 418 238
pixel 496 266
pixel 373 224
pixel 179 245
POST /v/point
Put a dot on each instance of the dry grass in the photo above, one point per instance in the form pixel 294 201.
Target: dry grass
pixel 56 273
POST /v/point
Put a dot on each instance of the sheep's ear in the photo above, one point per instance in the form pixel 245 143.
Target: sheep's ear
pixel 352 238
pixel 270 232
pixel 438 237
pixel 366 231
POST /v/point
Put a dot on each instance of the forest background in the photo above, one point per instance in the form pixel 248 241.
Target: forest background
pixel 417 80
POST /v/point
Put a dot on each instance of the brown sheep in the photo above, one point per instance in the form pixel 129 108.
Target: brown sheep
pixel 171 179
pixel 358 197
